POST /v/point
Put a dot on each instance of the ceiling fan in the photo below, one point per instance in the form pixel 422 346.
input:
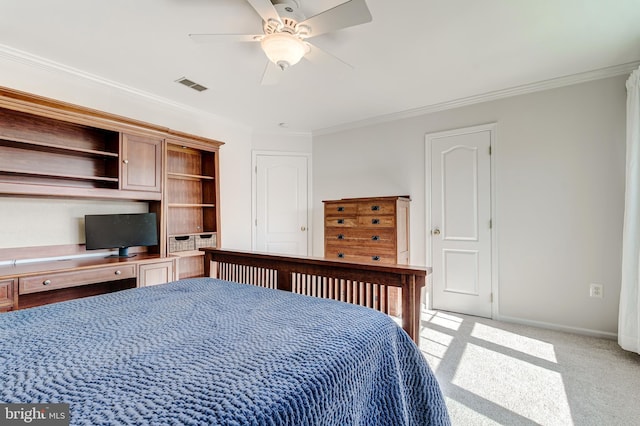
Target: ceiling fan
pixel 286 31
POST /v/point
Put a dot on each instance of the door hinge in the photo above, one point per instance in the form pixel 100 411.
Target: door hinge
pixel 489 149
pixel 256 222
pixel 255 169
pixel 491 297
pixel 490 223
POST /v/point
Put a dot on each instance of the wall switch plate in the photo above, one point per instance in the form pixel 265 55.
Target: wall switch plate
pixel 596 290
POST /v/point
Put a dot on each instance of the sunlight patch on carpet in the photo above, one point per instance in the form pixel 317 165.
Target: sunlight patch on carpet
pixel 542 397
pixel 526 345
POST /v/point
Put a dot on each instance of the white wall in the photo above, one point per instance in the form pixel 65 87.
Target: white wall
pixel 559 162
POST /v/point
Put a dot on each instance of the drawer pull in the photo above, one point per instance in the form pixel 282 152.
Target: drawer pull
pixel 340 221
pixel 375 208
pixel 118 272
pixel 341 236
pixel 341 255
pixel 376 258
pixel 46 282
pixel 375 238
pixel 375 221
pixel 340 209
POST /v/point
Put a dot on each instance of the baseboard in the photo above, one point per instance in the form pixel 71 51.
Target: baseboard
pixel 559 327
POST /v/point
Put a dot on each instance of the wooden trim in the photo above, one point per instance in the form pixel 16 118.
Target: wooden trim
pixel 361 278
pixel 59 110
pixel 40 252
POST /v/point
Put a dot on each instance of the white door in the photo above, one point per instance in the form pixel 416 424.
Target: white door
pixel 282 204
pixel 461 220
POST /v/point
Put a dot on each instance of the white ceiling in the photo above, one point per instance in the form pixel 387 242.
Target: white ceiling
pixel 415 53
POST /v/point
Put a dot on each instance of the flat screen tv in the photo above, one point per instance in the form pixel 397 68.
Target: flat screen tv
pixel 121 231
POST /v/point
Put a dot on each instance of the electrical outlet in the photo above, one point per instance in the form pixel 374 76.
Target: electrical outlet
pixel 596 290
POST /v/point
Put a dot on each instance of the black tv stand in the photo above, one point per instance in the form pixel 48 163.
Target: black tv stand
pixel 123 252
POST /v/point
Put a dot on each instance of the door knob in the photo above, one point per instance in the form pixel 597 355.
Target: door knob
pixel 436 231
pixel 303 228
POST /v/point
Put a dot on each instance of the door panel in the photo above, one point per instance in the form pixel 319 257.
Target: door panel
pixel 461 221
pixel 281 204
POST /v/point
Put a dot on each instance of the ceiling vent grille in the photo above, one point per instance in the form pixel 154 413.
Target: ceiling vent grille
pixel 191 84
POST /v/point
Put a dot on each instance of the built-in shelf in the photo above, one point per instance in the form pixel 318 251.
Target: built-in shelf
pixel 189 205
pixel 188 176
pixel 30 144
pixel 57 175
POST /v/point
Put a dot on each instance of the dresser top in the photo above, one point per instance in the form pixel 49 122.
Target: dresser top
pixel 390 198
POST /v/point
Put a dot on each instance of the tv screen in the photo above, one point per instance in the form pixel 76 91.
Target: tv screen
pixel 121 231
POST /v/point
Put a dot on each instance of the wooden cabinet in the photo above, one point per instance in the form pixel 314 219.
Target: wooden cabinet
pixel 58 280
pixel 367 229
pixel 192 198
pixel 141 163
pixel 41 155
pixel 370 230
pixel 157 272
pixel 7 289
pixel 50 148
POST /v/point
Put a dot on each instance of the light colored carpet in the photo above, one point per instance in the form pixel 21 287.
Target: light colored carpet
pixel 499 373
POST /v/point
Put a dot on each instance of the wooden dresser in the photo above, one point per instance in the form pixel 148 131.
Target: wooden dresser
pixel 370 230
pixel 367 229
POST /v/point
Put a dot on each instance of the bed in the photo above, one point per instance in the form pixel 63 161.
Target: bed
pixel 209 351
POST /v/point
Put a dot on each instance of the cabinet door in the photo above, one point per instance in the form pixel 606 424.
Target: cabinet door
pixel 155 273
pixel 6 295
pixel 141 163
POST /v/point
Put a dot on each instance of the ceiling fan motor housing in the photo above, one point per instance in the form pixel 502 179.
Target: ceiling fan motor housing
pixel 289 10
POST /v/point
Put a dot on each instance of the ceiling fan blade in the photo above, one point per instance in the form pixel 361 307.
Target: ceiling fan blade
pixel 317 55
pixel 265 9
pixel 353 12
pixel 208 38
pixel 271 75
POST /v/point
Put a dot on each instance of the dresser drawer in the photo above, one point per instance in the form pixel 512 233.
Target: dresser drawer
pixel 58 280
pixel 377 221
pixel 340 222
pixel 366 237
pixel 340 209
pixel 376 207
pixel 332 253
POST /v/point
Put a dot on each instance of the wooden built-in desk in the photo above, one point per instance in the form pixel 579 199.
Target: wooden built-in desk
pixel 38 283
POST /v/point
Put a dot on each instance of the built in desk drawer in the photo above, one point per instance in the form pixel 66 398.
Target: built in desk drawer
pixel 58 280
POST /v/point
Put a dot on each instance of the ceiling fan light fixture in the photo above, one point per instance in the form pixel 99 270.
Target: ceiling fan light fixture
pixel 283 49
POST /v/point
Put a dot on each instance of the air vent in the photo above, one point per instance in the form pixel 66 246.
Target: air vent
pixel 191 84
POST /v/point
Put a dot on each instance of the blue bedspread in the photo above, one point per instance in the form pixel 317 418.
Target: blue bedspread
pixel 204 351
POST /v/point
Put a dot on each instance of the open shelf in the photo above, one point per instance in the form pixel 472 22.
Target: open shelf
pixel 191 196
pixel 173 175
pixel 51 147
pixel 57 175
pixel 197 206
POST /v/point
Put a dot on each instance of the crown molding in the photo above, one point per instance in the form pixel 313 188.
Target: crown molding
pixel 35 61
pixel 553 83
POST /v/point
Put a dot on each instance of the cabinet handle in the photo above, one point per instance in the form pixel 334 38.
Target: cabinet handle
pixel 375 208
pixel 376 258
pixel 125 161
pixel 46 282
pixel 375 221
pixel 375 238
pixel 341 236
pixel 118 272
pixel 340 255
pixel 340 209
pixel 340 221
